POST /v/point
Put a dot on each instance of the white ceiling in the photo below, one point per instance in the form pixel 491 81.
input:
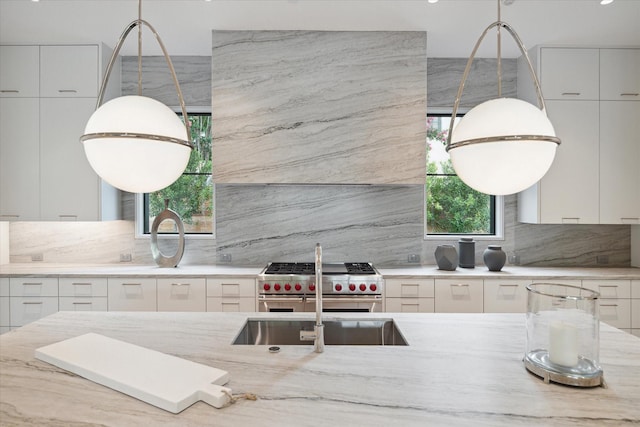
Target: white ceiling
pixel 453 26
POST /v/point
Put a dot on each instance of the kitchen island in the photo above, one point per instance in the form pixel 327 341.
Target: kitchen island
pixel 458 370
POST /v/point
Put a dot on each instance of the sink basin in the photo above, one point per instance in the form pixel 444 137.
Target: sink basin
pixel 336 332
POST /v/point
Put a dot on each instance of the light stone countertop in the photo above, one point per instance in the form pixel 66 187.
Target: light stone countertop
pixel 427 271
pixel 459 370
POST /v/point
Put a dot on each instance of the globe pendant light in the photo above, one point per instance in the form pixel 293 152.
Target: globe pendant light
pixel 504 145
pixel 135 143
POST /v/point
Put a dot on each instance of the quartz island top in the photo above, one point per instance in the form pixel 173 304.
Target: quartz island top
pixel 458 370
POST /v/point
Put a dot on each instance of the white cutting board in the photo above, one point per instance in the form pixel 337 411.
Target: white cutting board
pixel 165 381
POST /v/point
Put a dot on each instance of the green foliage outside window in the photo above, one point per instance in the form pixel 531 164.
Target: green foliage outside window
pixel 191 196
pixel 452 206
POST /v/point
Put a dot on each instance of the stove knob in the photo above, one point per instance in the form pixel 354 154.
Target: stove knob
pixel 363 287
pixel 266 286
pixel 298 287
pixel 276 286
pixel 312 287
pixel 352 287
pixel 373 287
pixel 338 287
pixel 287 287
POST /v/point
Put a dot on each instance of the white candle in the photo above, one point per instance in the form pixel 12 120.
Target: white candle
pixel 563 344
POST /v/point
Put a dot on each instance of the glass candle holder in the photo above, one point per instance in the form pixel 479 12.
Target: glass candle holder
pixel 563 334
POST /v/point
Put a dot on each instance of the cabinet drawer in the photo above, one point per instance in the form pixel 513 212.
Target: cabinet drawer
pixel 616 312
pixel 83 303
pixel 609 288
pixel 23 310
pixel 412 288
pixel 33 287
pixel 5 319
pixel 132 294
pixel 635 289
pixel 4 287
pixel 19 71
pixel 83 287
pixel 69 71
pixel 635 313
pixel 231 287
pixel 458 296
pixel 505 296
pixel 231 304
pixel 570 73
pixel 409 305
pixel 182 294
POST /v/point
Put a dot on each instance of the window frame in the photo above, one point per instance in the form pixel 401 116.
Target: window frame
pixel 497 210
pixel 141 198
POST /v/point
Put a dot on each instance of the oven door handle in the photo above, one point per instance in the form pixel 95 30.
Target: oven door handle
pixel 373 299
pixel 267 299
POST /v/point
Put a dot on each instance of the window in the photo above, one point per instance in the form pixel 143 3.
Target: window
pixel 191 196
pixel 452 208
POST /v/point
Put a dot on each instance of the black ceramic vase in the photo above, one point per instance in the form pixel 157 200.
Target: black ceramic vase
pixel 494 258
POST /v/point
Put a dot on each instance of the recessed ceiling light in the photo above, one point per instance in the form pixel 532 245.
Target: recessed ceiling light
pixel 606 1
pixel 432 1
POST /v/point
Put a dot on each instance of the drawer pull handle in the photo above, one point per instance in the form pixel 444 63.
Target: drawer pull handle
pixel 180 284
pixel 67 91
pixel 81 303
pixel 32 302
pixel 460 285
pixel 32 284
pixel 132 284
pixel 81 284
pixel 629 94
pixel 9 216
pixel 9 91
pixel 608 305
pixel 571 93
pixel 508 285
pixel 608 286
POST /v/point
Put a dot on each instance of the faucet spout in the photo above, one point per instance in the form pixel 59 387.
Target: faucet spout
pixel 319 327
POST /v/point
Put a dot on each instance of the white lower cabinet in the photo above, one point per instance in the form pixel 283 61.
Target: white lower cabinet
pixel 505 295
pixel 411 295
pixel 459 295
pixel 231 294
pixel 25 310
pixel 83 294
pixel 182 294
pixel 635 307
pixel 5 318
pixel 132 294
pixel 614 302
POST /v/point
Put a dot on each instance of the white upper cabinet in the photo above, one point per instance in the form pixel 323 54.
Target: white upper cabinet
pixel 19 71
pixel 619 162
pixel 620 74
pixel 69 71
pixel 592 102
pixel 569 73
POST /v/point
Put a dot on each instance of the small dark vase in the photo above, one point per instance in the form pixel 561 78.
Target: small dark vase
pixel 494 258
pixel 446 257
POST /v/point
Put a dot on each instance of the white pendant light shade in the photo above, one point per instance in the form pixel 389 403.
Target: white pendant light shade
pixel 136 144
pixel 519 148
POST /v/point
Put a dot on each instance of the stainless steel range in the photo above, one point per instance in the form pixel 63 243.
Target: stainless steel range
pixel 346 287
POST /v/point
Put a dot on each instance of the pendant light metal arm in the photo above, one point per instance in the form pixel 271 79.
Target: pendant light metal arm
pixel 112 60
pixel 499 24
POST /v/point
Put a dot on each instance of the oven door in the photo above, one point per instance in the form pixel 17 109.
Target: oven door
pixel 280 304
pixel 347 304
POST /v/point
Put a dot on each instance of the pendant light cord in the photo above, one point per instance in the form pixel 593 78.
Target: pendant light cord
pixel 499 56
pixel 140 48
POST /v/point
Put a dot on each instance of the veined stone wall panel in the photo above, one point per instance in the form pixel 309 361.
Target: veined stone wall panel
pixel 319 107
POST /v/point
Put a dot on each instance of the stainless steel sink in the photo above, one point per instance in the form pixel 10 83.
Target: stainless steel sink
pixel 336 332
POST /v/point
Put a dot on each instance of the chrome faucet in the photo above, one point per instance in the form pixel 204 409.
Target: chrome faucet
pixel 317 335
